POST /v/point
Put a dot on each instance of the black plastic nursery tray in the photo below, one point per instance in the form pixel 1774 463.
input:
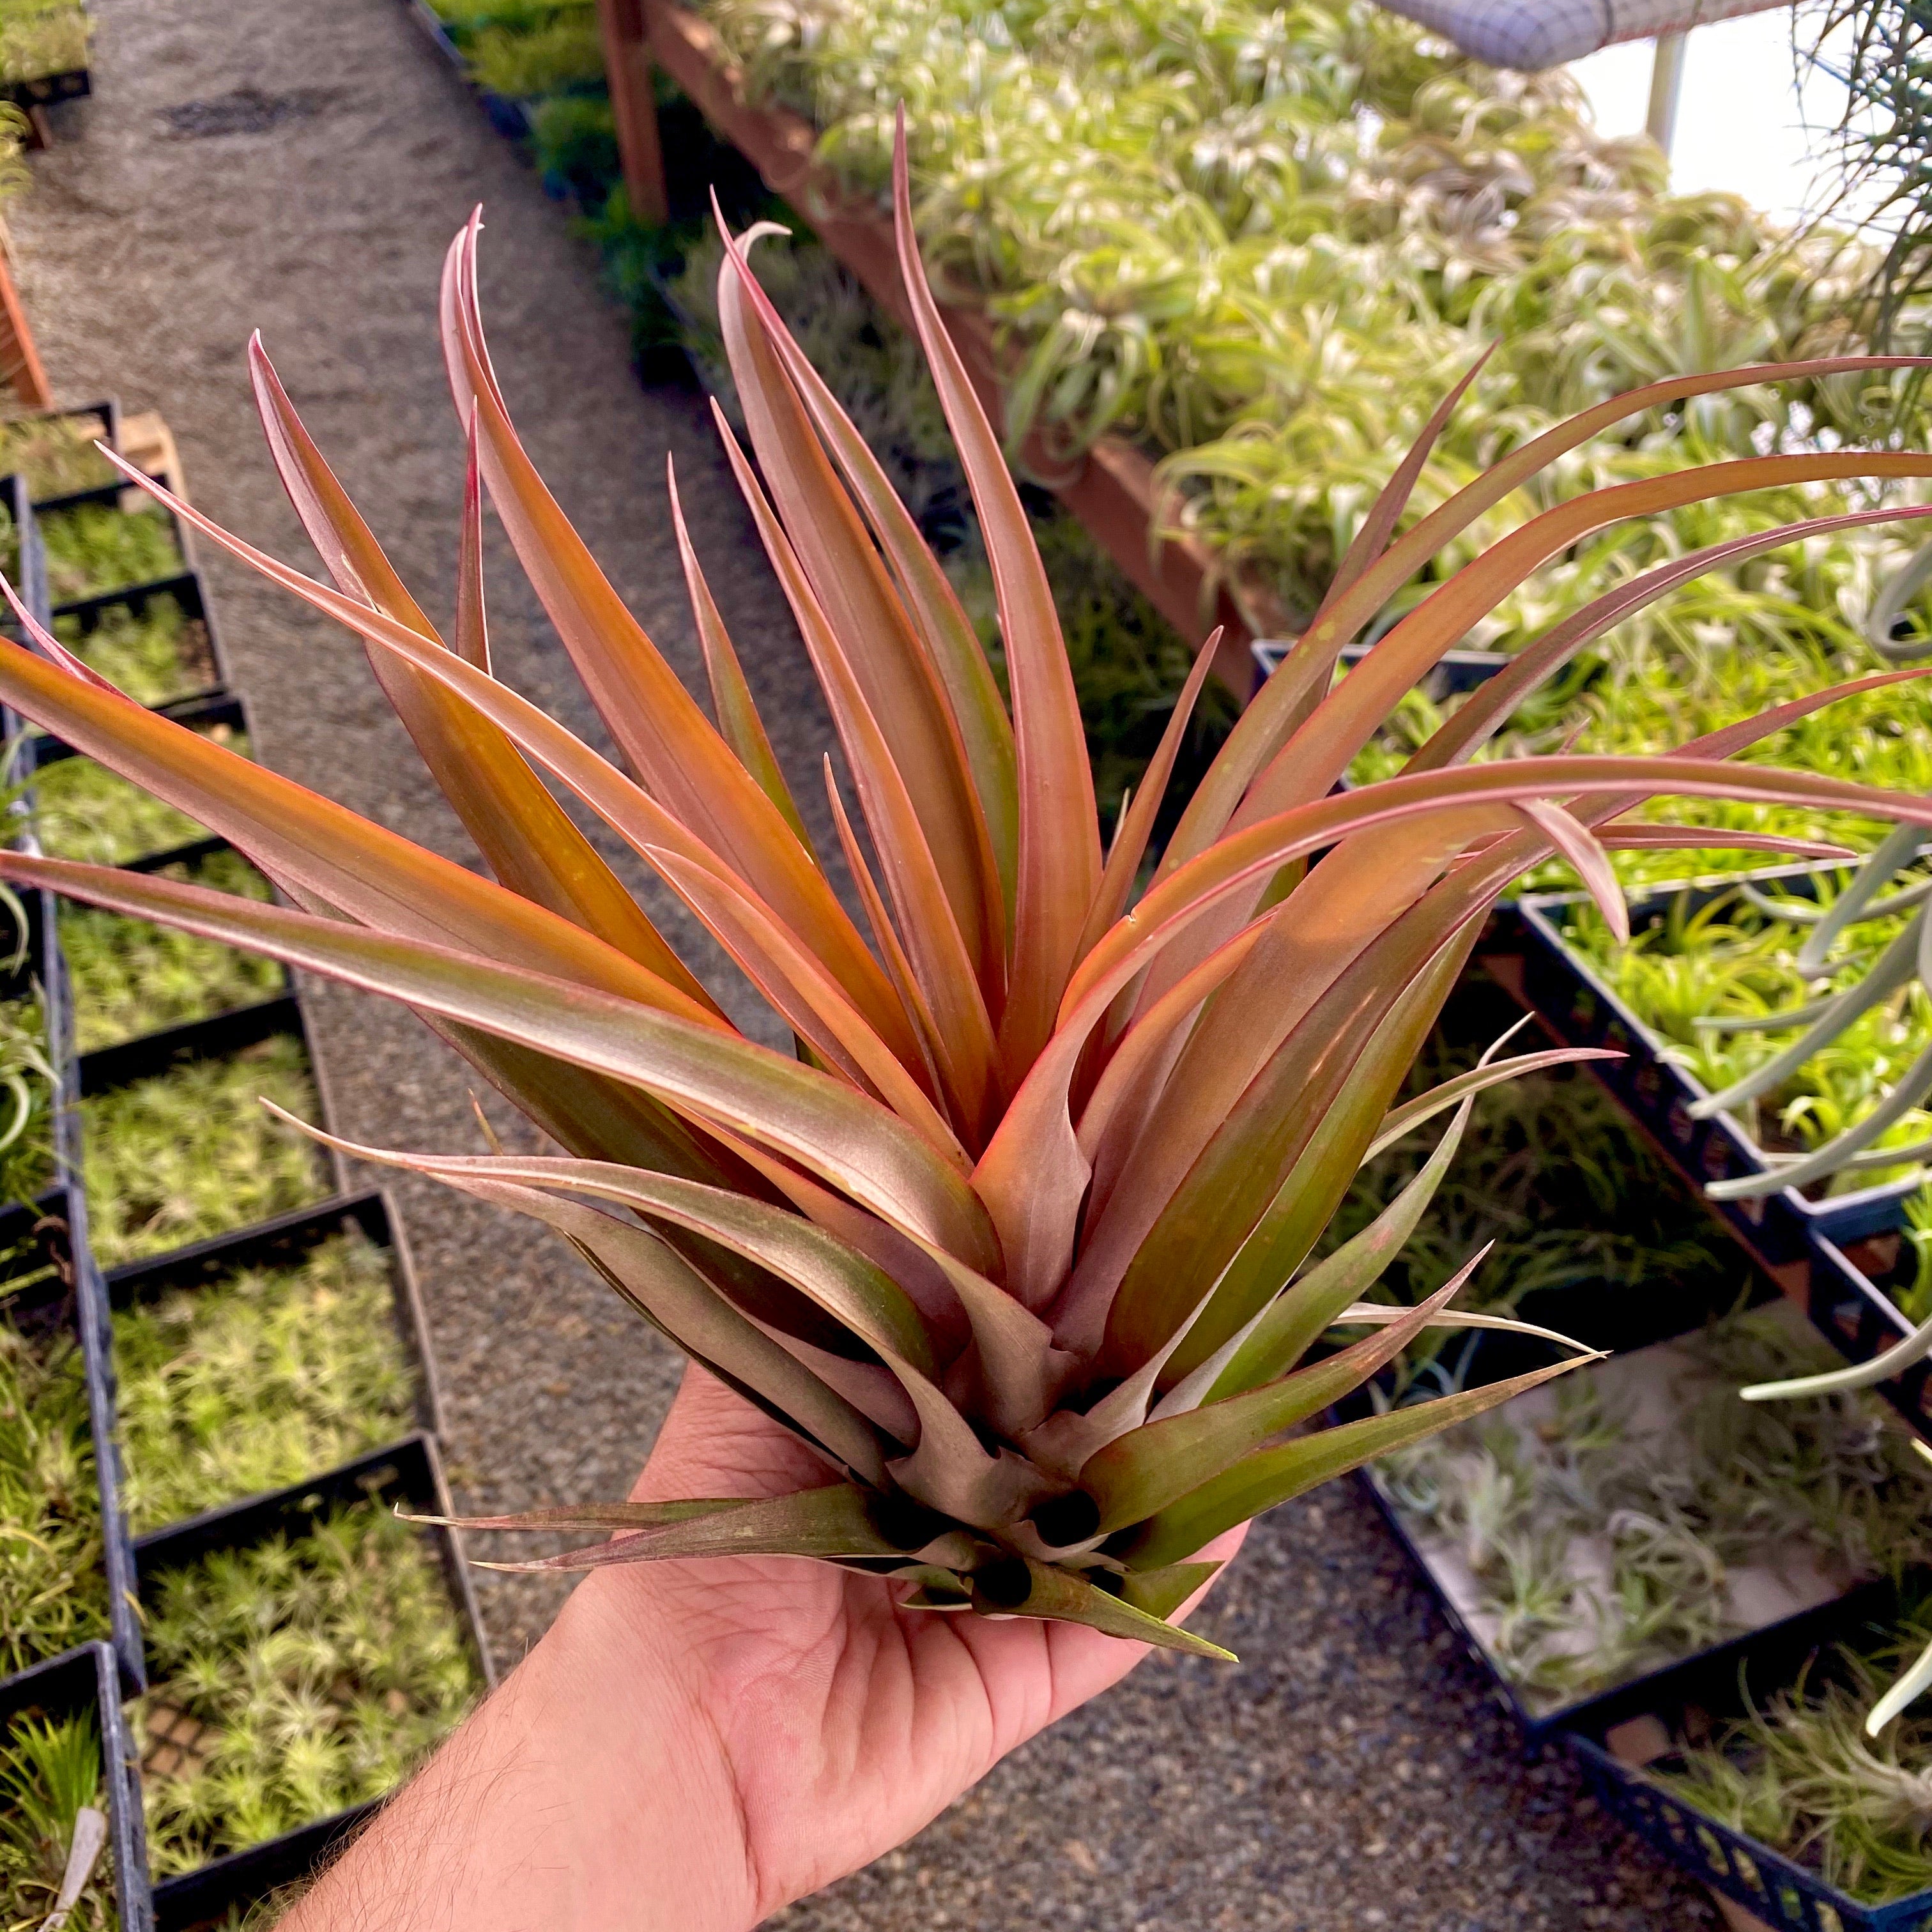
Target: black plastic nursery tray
pixel 220 714
pixel 276 980
pixel 123 499
pixel 1539 1721
pixel 1576 1005
pixel 1856 1282
pixel 1454 672
pixel 222 1036
pixel 1638 1724
pixel 74 1299
pixel 45 90
pixel 511 118
pixel 85 1681
pixel 30 569
pixel 285 1241
pixel 106 417
pixel 184 588
pixel 407 1474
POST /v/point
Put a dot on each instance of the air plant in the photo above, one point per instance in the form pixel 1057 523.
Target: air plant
pixel 1801 1771
pixel 1555 1190
pixel 1602 1536
pixel 1754 994
pixel 129 977
pixel 157 654
pixel 1016 1240
pixel 189 1153
pixel 292 1677
pixel 95 547
pixel 257 1380
pixel 53 1592
pixel 53 1826
pixel 38 39
pixel 27 1084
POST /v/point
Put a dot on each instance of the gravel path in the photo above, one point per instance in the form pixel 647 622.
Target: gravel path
pixel 300 168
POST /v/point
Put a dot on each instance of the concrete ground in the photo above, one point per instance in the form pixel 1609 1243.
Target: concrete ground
pixel 300 168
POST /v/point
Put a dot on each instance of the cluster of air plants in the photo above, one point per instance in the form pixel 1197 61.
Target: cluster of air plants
pixel 1800 1771
pixel 1640 1512
pixel 55 454
pixel 293 1677
pixel 82 810
pixel 189 1153
pixel 39 38
pixel 158 653
pixel 1020 1239
pixel 53 1592
pixel 258 1380
pixel 1807 1019
pixel 1263 241
pixel 526 49
pixel 53 1804
pixel 95 547
pixel 128 976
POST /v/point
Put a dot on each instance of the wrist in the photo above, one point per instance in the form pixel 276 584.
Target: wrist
pixel 589 1790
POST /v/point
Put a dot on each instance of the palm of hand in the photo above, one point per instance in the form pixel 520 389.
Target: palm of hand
pixel 845 1724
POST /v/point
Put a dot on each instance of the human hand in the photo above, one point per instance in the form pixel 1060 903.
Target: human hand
pixel 695 1744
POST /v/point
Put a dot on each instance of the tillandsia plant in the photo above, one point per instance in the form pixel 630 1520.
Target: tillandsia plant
pixel 53 1826
pixel 1016 1239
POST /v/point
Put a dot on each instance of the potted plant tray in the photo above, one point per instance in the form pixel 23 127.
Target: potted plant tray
pixel 82 1690
pixel 407 1474
pixel 1665 1756
pixel 1635 1514
pixel 1531 951
pixel 208 1415
pixel 61 1306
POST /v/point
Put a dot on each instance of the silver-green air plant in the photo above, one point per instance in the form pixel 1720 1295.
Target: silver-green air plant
pixel 1018 1240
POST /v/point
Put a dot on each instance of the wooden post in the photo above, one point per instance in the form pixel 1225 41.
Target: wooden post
pixel 627 68
pixel 19 360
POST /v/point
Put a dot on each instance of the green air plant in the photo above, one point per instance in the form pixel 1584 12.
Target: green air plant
pixel 95 547
pixel 128 976
pixel 38 40
pixel 258 1380
pixel 1799 1770
pixel 525 62
pixel 1555 1190
pixel 160 654
pixel 1824 1050
pixel 1639 1513
pixel 81 810
pixel 189 1153
pixel 55 454
pixel 27 1082
pixel 291 1678
pixel 1016 1240
pixel 53 1826
pixel 53 1592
